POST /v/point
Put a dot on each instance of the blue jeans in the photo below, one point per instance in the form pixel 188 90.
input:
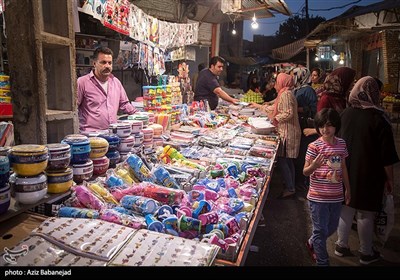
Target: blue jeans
pixel 325 220
pixel 286 166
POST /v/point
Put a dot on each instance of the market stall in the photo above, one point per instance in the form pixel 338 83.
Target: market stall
pixel 210 189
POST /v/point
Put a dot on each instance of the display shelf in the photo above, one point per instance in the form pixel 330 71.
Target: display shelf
pixel 18 208
pixel 251 230
pixel 52 115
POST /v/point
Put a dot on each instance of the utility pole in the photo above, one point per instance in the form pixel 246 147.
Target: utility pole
pixel 307 32
pixel 307 18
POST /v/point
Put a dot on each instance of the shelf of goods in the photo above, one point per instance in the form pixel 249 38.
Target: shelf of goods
pixel 6 112
pixel 163 99
pixel 85 45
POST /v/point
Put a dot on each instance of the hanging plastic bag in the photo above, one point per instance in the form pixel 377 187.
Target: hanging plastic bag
pixel 384 220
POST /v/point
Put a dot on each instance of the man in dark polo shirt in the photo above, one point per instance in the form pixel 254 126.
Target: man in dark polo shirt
pixel 208 88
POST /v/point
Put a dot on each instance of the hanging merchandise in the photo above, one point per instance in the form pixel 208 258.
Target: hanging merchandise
pixel 164 37
pixel 116 16
pixel 135 23
pixel 94 8
pixel 125 56
pixel 150 62
pixel 153 31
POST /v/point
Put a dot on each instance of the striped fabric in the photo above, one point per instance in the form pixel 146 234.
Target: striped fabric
pixel 326 183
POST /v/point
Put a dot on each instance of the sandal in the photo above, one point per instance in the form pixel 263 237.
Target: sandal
pixel 310 249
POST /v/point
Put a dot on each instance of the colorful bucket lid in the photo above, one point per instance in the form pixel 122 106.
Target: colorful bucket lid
pixel 112 138
pixel 98 142
pixel 56 147
pixel 29 149
pixel 75 138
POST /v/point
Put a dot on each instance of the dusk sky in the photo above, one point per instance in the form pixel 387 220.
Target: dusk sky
pixel 269 26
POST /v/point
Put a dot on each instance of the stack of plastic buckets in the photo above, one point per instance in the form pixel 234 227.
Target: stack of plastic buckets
pixel 81 163
pixel 4 186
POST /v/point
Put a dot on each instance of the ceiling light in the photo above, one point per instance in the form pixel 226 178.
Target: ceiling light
pixel 254 23
pixel 233 30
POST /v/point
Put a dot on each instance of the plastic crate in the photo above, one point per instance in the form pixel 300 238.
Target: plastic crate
pixel 50 208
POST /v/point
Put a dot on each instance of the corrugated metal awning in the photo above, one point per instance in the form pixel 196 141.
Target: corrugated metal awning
pixel 210 10
pixel 288 51
pixel 247 61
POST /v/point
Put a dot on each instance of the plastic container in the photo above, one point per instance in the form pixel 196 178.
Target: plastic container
pixel 121 129
pixel 28 184
pixel 4 199
pixel 29 160
pixel 138 139
pixel 4 171
pixel 98 147
pixel 28 190
pixel 137 126
pixel 126 144
pixel 59 181
pixel 153 224
pixel 73 212
pixel 82 172
pixel 148 134
pixel 59 156
pixel 114 157
pixel 112 139
pixel 100 165
pixel 139 204
pixel 30 197
pixel 80 147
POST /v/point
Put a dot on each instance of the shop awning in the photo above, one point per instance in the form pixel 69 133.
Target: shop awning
pixel 247 61
pixel 211 10
pixel 288 51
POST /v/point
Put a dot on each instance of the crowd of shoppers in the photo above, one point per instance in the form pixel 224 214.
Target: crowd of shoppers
pixel 348 155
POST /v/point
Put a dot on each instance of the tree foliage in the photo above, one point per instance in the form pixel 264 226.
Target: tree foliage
pixel 295 28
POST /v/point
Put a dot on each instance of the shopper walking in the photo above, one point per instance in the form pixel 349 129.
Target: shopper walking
pixel 325 164
pixel 336 88
pixel 372 154
pixel 306 108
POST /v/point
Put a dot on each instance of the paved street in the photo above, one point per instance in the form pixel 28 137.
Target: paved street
pixel 281 242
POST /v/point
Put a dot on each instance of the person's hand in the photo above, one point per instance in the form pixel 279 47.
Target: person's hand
pixel 235 101
pixel 388 187
pixel 318 161
pixel 309 131
pixel 347 197
pixel 254 105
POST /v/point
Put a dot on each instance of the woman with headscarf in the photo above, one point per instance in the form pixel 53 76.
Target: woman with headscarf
pixel 336 87
pixel 306 107
pixel 283 114
pixel 372 154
